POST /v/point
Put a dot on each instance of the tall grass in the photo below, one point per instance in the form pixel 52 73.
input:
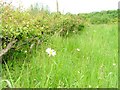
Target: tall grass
pixel 88 59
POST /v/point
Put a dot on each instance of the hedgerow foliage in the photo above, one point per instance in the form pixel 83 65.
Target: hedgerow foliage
pixel 103 17
pixel 30 29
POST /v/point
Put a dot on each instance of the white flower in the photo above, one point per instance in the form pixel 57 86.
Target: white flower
pixel 50 52
pixel 90 86
pixel 53 53
pixel 97 87
pixel 25 51
pixel 78 49
pixel 73 31
pixel 110 73
pixel 114 64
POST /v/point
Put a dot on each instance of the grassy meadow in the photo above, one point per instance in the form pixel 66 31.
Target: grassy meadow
pixel 88 59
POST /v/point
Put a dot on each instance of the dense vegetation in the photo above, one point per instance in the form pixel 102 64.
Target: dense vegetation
pixel 103 17
pixel 31 28
pixel 78 39
pixel 85 60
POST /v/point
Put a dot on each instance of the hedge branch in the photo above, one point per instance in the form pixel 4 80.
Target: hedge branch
pixel 9 46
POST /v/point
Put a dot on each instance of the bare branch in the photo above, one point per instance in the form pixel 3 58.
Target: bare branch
pixel 9 46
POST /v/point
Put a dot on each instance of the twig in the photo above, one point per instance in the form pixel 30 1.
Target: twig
pixel 9 46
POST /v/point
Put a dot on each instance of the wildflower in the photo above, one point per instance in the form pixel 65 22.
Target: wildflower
pixel 50 52
pixel 114 64
pixel 78 49
pixel 90 86
pixel 73 31
pixel 97 87
pixel 25 51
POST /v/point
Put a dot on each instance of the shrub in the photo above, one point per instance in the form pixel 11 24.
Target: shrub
pixel 30 30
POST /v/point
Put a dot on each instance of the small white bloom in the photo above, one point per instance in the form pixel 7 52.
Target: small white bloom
pixel 90 86
pixel 73 31
pixel 97 87
pixel 110 73
pixel 114 64
pixel 53 53
pixel 78 49
pixel 50 52
pixel 25 51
